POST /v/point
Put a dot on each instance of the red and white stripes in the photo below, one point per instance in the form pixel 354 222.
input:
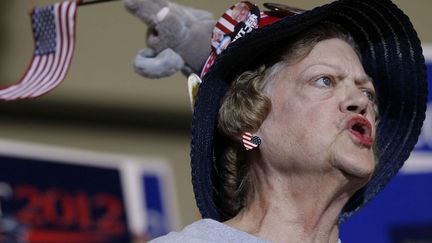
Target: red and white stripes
pixel 249 141
pixel 46 71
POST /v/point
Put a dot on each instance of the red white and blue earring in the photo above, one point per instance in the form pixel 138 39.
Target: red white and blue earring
pixel 250 141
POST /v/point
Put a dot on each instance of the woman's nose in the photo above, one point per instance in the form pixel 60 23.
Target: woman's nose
pixel 355 101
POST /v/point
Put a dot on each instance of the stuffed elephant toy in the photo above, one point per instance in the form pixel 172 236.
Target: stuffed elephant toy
pixel 178 37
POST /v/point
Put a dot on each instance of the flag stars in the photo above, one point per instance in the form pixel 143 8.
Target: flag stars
pixel 44 30
pixel 52 54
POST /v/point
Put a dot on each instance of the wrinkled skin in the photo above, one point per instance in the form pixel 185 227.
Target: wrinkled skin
pixel 312 102
pixel 311 160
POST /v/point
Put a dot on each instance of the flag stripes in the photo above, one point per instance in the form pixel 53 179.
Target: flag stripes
pixel 225 24
pixel 54 35
pixel 249 141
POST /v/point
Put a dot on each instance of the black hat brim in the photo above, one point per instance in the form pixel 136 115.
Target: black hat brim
pixel 391 55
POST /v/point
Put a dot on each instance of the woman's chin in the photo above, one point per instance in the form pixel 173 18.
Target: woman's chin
pixel 356 165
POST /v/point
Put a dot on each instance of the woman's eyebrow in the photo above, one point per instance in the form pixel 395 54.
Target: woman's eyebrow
pixel 360 80
pixel 366 79
pixel 313 65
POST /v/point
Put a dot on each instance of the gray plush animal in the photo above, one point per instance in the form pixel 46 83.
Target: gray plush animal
pixel 178 37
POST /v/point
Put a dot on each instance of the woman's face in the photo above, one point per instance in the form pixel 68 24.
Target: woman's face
pixel 322 117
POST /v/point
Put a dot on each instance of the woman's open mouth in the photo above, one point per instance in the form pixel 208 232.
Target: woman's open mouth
pixel 361 129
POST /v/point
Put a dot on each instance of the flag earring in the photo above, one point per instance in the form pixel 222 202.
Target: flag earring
pixel 250 142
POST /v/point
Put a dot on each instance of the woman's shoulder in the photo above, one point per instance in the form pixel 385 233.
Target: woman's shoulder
pixel 208 230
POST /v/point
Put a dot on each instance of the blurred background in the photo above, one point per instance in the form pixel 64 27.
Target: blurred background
pixel 105 109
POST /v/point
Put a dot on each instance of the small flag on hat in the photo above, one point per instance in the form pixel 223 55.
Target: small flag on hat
pixel 54 36
pixel 249 141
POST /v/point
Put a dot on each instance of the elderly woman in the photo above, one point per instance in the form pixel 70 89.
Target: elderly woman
pixel 302 121
pixel 314 112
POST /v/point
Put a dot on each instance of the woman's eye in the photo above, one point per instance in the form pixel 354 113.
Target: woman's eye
pixel 324 82
pixel 370 95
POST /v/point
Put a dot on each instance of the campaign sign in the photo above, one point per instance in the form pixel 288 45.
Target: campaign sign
pixel 46 201
pixel 157 219
pixel 402 212
pixel 425 140
pixel 159 202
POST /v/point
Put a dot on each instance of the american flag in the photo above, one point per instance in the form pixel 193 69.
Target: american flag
pixel 54 35
pixel 249 141
pixel 224 26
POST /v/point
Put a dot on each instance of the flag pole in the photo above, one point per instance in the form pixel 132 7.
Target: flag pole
pixel 83 2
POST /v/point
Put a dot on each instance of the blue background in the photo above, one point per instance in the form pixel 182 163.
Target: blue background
pixel 402 212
